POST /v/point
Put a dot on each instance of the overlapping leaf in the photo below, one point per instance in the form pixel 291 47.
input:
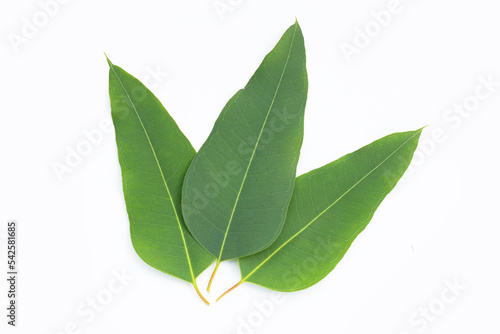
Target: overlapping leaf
pixel 154 156
pixel 237 190
pixel 329 208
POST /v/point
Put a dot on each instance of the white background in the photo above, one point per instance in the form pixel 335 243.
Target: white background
pixel 439 225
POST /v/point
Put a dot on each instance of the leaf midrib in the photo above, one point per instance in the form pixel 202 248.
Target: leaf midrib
pixel 159 168
pixel 325 210
pixel 257 144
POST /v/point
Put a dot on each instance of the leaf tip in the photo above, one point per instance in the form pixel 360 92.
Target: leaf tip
pixel 422 128
pixel 107 59
pixel 296 22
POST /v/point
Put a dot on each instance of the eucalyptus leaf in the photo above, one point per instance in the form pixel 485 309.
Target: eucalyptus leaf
pixel 329 208
pixel 154 156
pixel 237 190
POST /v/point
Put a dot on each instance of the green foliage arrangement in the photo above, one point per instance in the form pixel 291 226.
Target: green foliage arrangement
pixel 238 197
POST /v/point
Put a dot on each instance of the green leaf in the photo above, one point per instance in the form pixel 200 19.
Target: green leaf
pixel 238 187
pixel 154 156
pixel 329 208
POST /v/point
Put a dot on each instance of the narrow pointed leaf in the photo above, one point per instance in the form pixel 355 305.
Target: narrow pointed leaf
pixel 329 208
pixel 238 188
pixel 154 156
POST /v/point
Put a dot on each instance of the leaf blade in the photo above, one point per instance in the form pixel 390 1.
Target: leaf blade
pixel 257 187
pixel 336 230
pixel 149 141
